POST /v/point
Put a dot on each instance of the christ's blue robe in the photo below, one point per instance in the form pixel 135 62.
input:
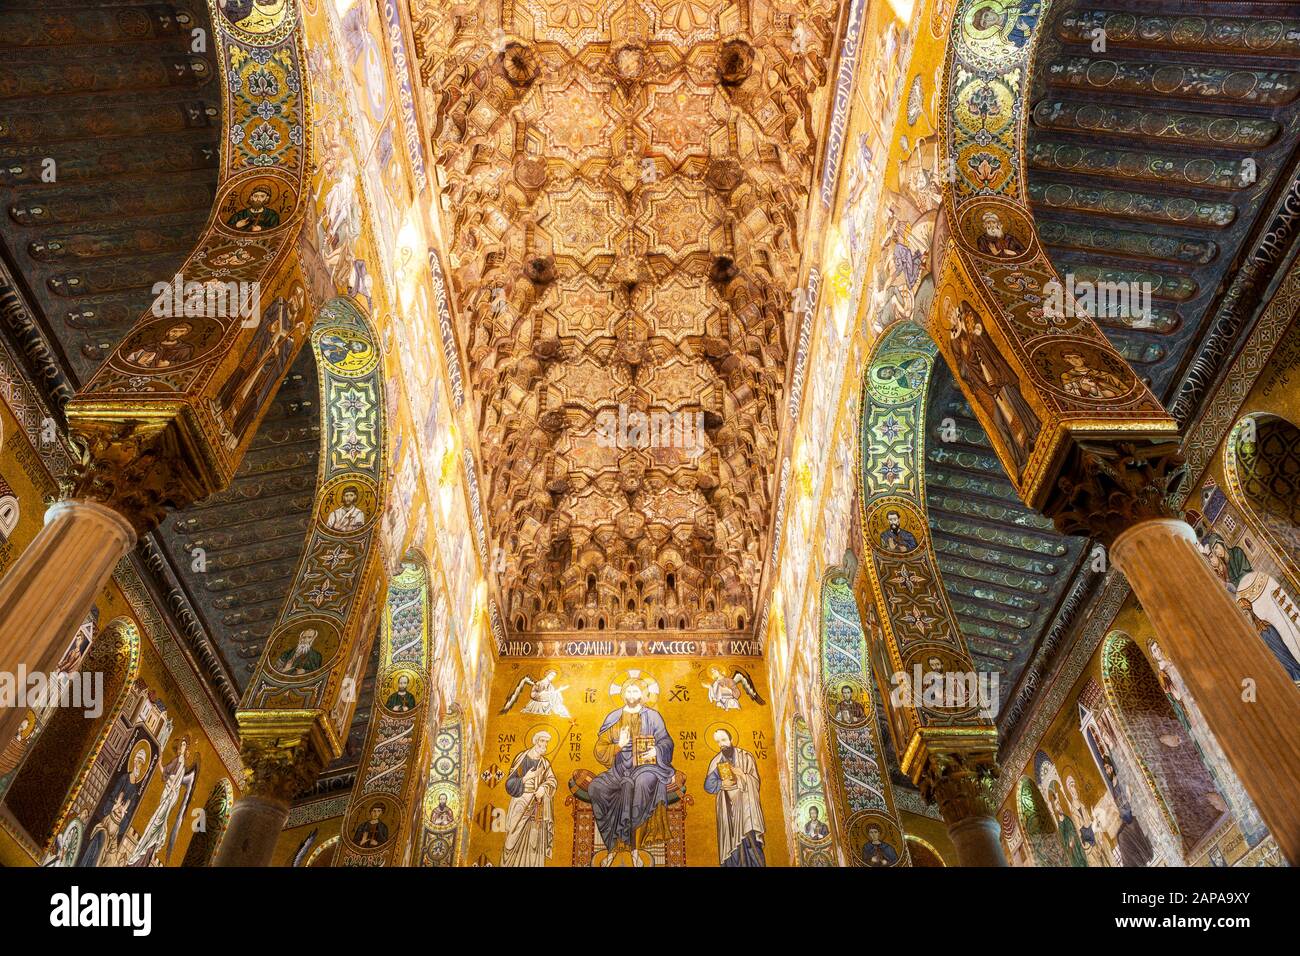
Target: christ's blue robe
pixel 625 795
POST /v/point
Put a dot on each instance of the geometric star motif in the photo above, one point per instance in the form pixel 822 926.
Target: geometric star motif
pixel 321 593
pixel 574 120
pixel 890 428
pixel 679 122
pixel 917 618
pixel 908 579
pixel 580 223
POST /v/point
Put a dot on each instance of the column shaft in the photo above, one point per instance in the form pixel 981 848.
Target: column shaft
pixel 961 784
pixel 976 839
pixel 255 825
pixel 1251 707
pixel 49 591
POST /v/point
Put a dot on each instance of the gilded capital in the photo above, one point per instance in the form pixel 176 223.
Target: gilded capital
pixel 1105 488
pixel 283 751
pixel 961 784
pixel 279 771
pixel 141 467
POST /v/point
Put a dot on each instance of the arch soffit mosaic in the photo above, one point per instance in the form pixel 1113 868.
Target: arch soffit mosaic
pixel 915 615
pixel 389 772
pixel 1065 381
pixel 150 436
pixel 311 666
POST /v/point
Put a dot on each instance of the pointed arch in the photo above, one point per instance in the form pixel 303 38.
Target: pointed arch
pixel 920 629
pixel 1170 759
pixel 1036 824
pixel 814 840
pixel 311 664
pixel 60 763
pixel 1000 313
pixel 1261 469
pixel 151 412
pixel 1188 712
pixel 325 854
pixel 441 832
pixel 1052 788
pixel 216 815
pixel 387 778
pixel 923 852
pixel 857 778
pixel 1143 837
pixel 34 721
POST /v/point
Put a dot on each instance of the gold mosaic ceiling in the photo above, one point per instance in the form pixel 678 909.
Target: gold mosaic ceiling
pixel 624 189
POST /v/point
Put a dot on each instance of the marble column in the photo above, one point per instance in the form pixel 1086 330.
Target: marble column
pixel 49 591
pixel 1118 494
pixel 276 770
pixel 962 786
pixel 1249 703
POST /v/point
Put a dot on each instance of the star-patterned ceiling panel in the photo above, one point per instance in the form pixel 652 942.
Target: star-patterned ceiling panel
pixel 623 189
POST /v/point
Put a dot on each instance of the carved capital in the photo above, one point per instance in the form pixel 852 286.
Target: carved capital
pixel 961 784
pixel 284 751
pixel 279 770
pixel 140 468
pixel 1104 488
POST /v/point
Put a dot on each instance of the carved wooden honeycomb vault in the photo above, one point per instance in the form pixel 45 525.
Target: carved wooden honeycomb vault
pixel 624 187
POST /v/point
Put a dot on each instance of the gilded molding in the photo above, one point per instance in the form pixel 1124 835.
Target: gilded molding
pixel 283 751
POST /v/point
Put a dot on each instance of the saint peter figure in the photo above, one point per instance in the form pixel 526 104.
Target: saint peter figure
pixel 530 826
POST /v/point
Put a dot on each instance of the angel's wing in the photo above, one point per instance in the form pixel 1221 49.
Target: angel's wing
pixel 304 847
pixel 188 783
pixel 514 695
pixel 741 677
